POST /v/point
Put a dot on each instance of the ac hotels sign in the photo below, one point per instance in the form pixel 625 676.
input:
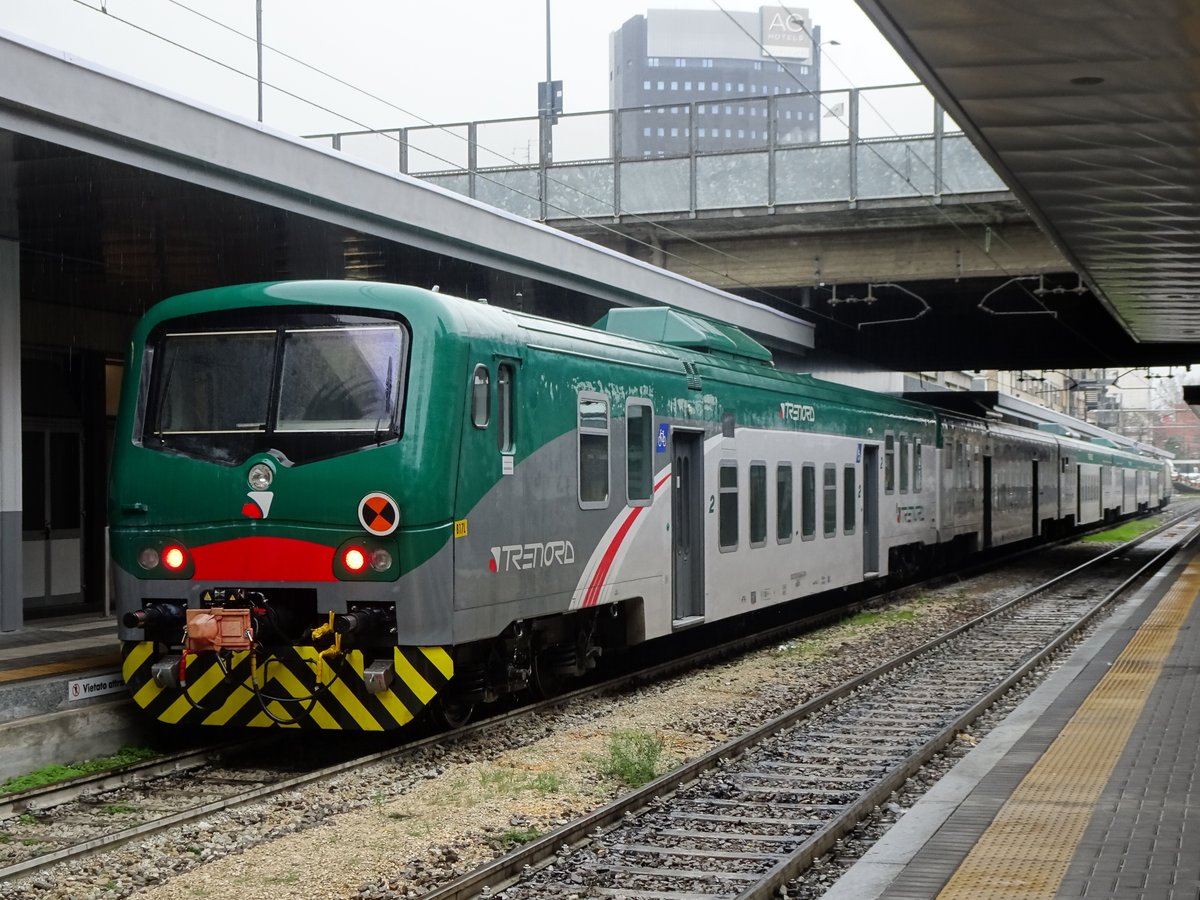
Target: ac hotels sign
pixel 786 32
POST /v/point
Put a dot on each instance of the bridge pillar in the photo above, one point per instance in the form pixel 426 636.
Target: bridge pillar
pixel 11 598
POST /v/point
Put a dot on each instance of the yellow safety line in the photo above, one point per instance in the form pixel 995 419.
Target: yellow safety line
pixel 1025 852
pixel 87 662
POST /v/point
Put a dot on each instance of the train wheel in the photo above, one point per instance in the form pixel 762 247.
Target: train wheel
pixel 451 712
pixel 546 679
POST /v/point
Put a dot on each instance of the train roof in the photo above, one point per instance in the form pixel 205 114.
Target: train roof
pixel 994 406
pixel 664 325
pixel 656 336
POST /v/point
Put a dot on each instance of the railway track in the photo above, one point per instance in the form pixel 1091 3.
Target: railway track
pixel 746 818
pixel 86 816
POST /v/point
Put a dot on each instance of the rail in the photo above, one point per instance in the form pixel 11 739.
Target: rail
pixel 1042 628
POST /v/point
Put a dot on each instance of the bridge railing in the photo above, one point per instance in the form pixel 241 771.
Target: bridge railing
pixel 809 149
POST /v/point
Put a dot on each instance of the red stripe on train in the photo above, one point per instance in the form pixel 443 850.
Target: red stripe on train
pixel 263 559
pixel 592 596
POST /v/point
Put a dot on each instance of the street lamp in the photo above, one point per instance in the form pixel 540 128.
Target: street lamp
pixel 549 91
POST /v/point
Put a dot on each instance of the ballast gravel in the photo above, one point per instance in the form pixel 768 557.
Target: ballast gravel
pixel 398 829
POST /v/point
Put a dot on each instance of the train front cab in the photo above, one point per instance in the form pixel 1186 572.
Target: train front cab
pixel 313 567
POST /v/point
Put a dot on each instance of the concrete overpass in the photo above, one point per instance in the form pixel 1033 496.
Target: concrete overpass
pixel 905 250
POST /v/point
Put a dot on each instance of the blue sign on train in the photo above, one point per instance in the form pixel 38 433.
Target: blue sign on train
pixel 663 430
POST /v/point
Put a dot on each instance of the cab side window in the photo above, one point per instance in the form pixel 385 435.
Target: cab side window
pixel 505 376
pixel 481 400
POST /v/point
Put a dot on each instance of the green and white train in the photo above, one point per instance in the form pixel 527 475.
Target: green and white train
pixel 334 504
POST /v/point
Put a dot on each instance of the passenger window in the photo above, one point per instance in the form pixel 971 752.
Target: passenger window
pixel 849 500
pixel 504 406
pixel 758 504
pixel 830 517
pixel 727 488
pixel 593 451
pixel 481 401
pixel 904 464
pixel 639 453
pixel 783 504
pixel 808 502
pixel 889 464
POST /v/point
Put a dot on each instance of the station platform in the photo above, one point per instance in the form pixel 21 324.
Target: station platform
pixel 61 694
pixel 59 645
pixel 58 664
pixel 1089 788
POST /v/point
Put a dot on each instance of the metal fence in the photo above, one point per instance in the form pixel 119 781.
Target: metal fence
pixel 850 149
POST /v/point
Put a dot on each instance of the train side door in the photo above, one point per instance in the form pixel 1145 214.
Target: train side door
pixel 870 512
pixel 687 525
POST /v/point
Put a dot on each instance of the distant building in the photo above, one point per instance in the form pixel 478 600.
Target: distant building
pixel 720 73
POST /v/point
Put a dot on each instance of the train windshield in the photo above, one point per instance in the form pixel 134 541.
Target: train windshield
pixel 310 392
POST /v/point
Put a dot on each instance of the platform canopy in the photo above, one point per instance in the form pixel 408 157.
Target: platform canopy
pixel 1088 111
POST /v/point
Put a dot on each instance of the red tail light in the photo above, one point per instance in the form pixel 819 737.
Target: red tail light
pixel 354 559
pixel 174 558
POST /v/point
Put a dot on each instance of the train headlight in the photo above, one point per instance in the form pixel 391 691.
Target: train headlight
pixel 148 558
pixel 381 559
pixel 260 476
pixel 354 559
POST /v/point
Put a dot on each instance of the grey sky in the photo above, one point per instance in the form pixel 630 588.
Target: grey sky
pixel 443 62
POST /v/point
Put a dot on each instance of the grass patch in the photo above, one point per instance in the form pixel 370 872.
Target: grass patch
pixel 514 836
pixel 877 617
pixel 289 878
pixel 633 757
pixel 866 617
pixel 502 781
pixel 511 782
pixel 54 774
pixel 803 649
pixel 1126 531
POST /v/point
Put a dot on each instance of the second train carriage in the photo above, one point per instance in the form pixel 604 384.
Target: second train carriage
pixel 334 504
